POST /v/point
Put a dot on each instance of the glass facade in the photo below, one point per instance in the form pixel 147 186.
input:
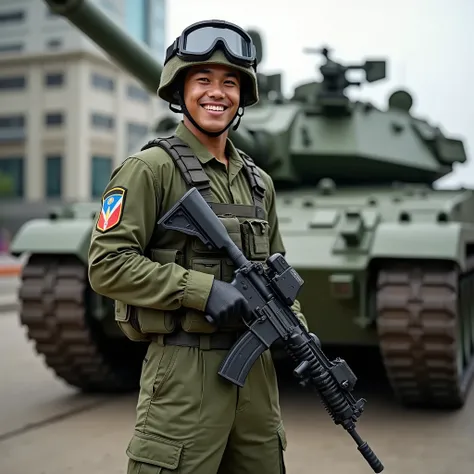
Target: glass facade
pixel 156 22
pixel 11 177
pixel 135 16
pixel 100 174
pixel 53 176
pixel 145 21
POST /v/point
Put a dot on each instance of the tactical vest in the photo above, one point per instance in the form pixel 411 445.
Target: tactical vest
pixel 247 225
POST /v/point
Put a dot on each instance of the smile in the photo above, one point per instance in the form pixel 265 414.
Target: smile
pixel 214 108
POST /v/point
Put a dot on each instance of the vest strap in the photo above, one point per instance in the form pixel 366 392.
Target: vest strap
pixel 194 175
pixel 187 163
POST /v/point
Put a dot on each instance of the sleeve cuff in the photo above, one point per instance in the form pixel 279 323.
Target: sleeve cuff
pixel 303 321
pixel 197 290
pixel 296 307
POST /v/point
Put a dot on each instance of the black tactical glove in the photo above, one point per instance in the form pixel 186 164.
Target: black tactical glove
pixel 225 304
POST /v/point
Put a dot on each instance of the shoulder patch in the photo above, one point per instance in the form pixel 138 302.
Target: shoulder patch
pixel 111 211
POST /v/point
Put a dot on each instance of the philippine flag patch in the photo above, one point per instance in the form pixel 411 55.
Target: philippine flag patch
pixel 112 208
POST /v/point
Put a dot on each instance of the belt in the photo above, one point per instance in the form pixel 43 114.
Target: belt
pixel 216 341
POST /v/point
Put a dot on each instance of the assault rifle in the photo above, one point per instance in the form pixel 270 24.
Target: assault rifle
pixel 270 290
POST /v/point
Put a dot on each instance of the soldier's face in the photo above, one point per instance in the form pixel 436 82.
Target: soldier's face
pixel 212 95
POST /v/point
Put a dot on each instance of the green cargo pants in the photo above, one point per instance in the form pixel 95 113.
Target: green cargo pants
pixel 191 420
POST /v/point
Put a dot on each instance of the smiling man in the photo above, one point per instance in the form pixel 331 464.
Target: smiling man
pixel 171 290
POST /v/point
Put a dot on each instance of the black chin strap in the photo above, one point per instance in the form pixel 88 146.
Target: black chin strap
pixel 184 110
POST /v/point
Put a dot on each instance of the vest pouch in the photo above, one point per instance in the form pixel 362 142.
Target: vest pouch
pixel 232 225
pixel 123 313
pixel 137 322
pixel 256 238
pixel 217 264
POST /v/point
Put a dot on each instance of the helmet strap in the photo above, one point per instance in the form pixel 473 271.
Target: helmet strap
pixel 184 110
pixel 239 115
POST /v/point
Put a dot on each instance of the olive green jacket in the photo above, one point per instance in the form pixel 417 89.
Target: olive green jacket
pixel 118 268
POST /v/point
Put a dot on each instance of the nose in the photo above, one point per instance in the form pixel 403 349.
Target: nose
pixel 216 91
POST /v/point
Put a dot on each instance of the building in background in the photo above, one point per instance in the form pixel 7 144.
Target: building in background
pixel 68 114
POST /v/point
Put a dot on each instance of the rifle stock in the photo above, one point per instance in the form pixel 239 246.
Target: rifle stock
pixel 270 291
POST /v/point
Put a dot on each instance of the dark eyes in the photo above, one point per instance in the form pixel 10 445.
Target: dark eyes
pixel 205 80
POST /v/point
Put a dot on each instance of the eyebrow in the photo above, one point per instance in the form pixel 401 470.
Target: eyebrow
pixel 208 71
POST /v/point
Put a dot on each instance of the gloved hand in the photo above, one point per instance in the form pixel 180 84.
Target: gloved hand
pixel 225 304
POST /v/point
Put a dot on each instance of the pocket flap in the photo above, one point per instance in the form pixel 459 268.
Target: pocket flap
pixel 121 313
pixel 282 436
pixel 256 235
pixel 155 450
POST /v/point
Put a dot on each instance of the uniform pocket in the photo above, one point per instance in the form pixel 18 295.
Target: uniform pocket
pixel 162 361
pixel 282 444
pixel 150 454
pixel 256 238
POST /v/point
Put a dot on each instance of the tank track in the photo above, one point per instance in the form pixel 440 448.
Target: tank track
pixel 56 308
pixel 419 308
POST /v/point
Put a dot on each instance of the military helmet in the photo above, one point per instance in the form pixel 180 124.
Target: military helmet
pixel 211 42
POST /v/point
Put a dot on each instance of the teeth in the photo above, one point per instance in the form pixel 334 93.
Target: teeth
pixel 218 108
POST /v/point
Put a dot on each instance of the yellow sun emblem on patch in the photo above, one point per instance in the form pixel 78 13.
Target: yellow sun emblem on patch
pixel 110 201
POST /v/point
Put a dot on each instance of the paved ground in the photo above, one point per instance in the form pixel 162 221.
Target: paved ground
pixel 47 428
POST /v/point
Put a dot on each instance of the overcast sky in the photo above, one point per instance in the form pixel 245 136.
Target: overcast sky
pixel 428 43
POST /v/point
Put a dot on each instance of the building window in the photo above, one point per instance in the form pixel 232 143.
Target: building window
pixel 137 93
pixel 102 82
pixel 11 177
pixel 54 119
pixel 54 79
pixel 100 174
pixel 136 136
pixel 102 121
pixel 53 43
pixel 12 121
pixel 53 175
pixel 12 128
pixel 12 82
pixel 12 17
pixel 13 47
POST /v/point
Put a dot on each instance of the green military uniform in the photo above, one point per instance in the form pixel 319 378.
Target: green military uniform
pixel 189 420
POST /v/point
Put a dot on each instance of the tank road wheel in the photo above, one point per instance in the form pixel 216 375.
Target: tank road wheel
pixel 425 323
pixel 57 305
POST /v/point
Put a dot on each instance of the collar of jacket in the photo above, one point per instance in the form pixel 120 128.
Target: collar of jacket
pixel 201 152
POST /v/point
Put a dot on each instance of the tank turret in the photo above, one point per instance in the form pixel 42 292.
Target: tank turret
pixel 321 133
pixel 331 96
pixel 387 261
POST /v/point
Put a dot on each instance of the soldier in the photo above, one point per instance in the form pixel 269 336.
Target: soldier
pixel 173 291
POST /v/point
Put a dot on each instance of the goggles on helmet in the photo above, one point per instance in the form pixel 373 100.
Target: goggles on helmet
pixel 199 41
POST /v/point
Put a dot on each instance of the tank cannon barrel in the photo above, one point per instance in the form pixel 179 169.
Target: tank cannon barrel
pixel 129 54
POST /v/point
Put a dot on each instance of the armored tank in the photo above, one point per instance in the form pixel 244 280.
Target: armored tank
pixel 387 259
